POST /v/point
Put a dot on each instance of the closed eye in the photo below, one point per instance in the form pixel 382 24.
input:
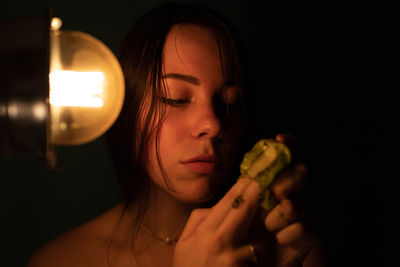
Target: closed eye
pixel 173 102
pixel 231 103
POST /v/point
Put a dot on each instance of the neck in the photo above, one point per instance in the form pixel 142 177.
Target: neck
pixel 166 216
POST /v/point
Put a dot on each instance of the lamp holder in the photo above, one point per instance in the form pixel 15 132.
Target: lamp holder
pixel 24 87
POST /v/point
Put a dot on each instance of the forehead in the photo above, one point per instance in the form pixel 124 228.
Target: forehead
pixel 193 49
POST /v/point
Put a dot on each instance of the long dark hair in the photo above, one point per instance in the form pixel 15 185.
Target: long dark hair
pixel 140 56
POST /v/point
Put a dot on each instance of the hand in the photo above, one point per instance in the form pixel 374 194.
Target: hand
pixel 218 236
pixel 215 236
pixel 294 240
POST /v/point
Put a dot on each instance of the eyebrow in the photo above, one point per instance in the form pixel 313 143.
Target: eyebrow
pixel 182 77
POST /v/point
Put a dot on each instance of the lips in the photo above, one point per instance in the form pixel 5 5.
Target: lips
pixel 202 164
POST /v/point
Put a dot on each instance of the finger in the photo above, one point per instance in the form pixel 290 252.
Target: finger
pixel 247 253
pixel 196 218
pixel 296 241
pixel 290 181
pixel 238 219
pixel 281 216
pixel 224 206
pixel 291 234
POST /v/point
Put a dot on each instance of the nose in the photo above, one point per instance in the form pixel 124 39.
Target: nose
pixel 207 124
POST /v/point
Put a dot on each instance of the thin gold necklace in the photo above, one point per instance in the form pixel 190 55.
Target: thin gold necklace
pixel 168 239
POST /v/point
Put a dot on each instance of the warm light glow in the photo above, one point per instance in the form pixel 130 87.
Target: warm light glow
pixel 39 111
pixel 86 87
pixel 76 89
pixel 13 110
pixel 55 24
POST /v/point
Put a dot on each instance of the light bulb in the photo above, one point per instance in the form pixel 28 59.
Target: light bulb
pixel 86 87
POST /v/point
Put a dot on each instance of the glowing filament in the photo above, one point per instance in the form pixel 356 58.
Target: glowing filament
pixel 76 89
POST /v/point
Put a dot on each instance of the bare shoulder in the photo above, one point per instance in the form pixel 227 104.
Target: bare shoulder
pixel 85 245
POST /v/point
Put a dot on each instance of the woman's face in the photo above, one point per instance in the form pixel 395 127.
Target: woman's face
pixel 197 138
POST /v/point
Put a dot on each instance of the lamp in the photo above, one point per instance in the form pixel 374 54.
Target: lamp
pixel 57 87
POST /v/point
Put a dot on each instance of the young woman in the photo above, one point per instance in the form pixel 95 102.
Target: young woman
pixel 177 146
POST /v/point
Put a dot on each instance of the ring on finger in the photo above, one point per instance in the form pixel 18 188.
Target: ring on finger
pixel 253 254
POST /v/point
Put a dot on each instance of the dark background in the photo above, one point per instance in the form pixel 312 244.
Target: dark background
pixel 316 71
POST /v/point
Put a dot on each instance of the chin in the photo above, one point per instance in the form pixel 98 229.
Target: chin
pixel 197 193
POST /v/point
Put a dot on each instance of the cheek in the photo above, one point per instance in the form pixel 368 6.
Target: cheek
pixel 170 141
pixel 173 130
